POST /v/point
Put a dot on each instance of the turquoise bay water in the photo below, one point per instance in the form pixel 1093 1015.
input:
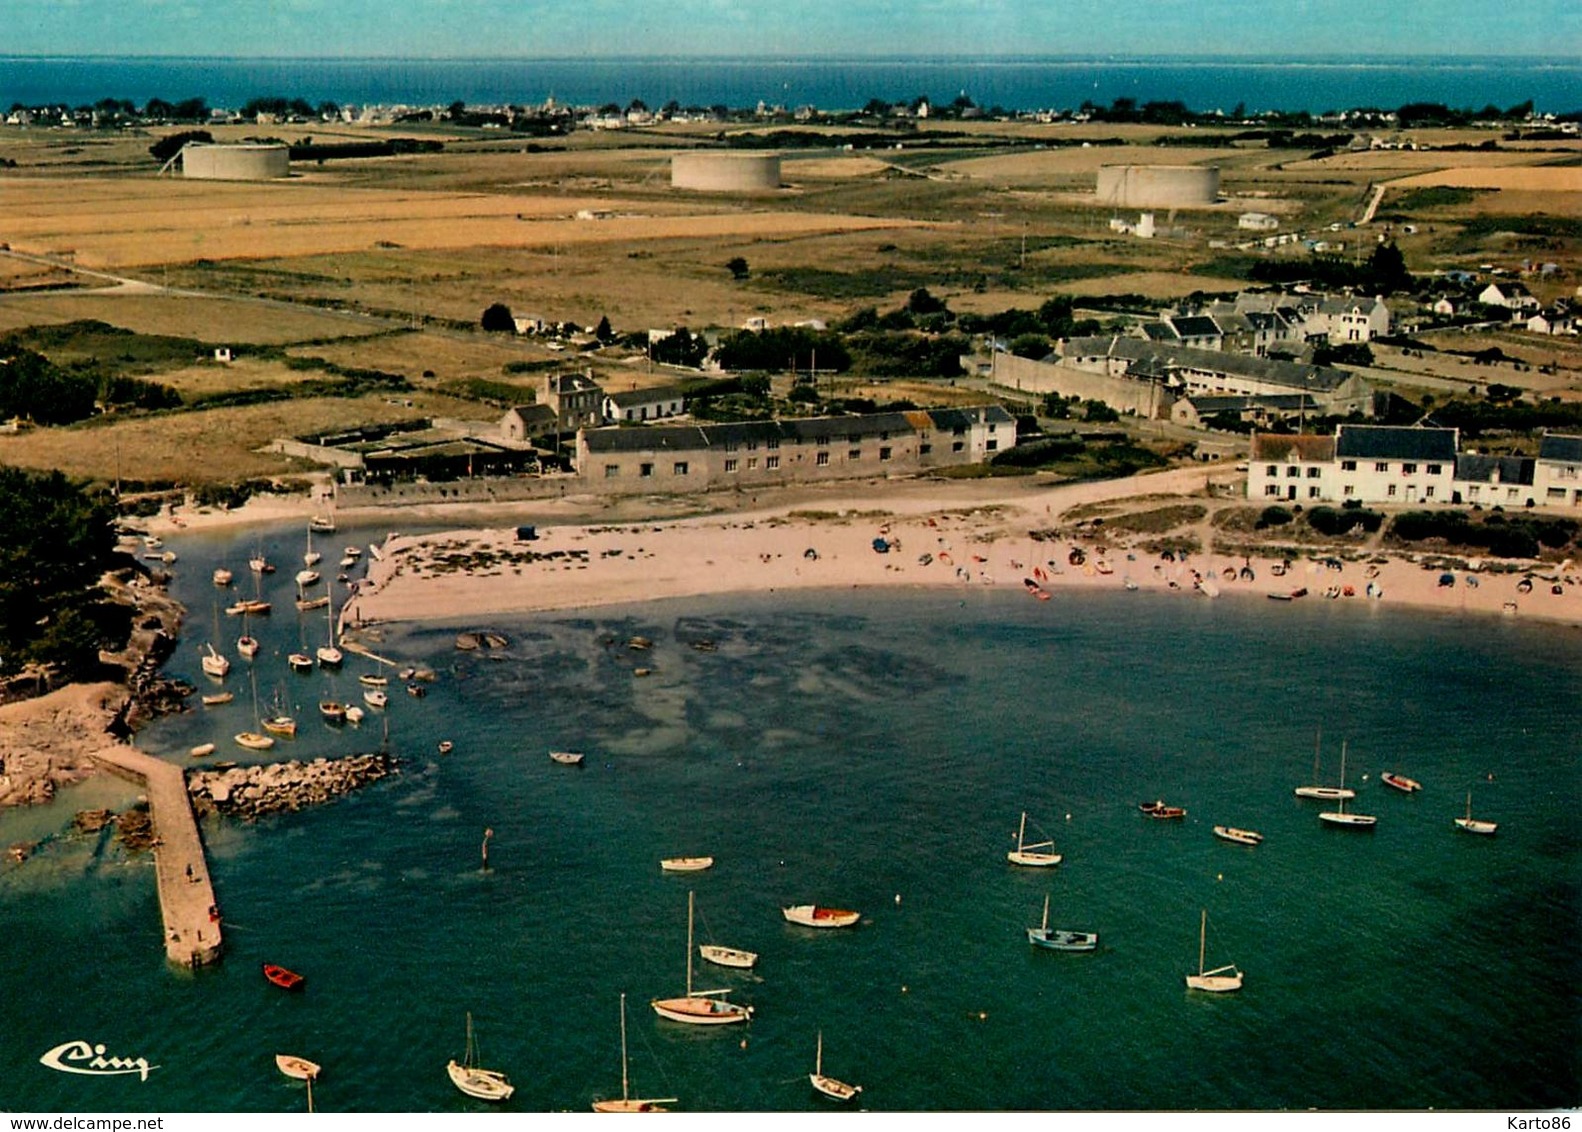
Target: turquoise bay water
pixel 849 750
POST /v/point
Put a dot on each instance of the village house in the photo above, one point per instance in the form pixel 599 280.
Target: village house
pixel 1342 320
pixel 1511 295
pixel 575 398
pixel 1557 474
pixel 1363 463
pixel 641 405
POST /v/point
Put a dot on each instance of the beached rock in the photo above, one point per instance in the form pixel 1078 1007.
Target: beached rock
pixel 92 821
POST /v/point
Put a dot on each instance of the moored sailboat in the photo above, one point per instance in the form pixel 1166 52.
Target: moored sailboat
pixel 1221 979
pixel 1474 825
pixel 818 916
pixel 473 1079
pixel 1032 855
pixel 1325 793
pixel 629 1103
pixel 829 1086
pixel 1339 816
pixel 700 1008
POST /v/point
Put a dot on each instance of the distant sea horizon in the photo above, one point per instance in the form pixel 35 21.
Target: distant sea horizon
pixel 1017 83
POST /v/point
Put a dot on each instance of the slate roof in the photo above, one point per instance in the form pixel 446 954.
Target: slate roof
pixel 1235 402
pixel 1160 332
pixel 646 396
pixel 1149 359
pixel 1387 442
pixel 1196 326
pixel 1554 446
pixel 670 438
pixel 1481 469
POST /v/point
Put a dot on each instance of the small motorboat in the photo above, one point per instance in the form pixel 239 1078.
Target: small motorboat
pixel 1239 836
pixel 202 749
pixel 254 741
pixel 223 577
pixel 304 604
pixel 574 758
pixel 354 714
pixel 281 724
pixel 332 710
pixel 215 699
pixel 300 662
pixel 369 680
pixel 297 1068
pixel 247 646
pixel 728 956
pixel 375 697
pixel 817 916
pixel 686 864
pixel 283 978
pixel 446 746
pixel 1160 810
pixel 416 690
pixel 1401 782
pixel 307 577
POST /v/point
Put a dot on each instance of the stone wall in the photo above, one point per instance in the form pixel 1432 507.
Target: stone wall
pixel 1123 394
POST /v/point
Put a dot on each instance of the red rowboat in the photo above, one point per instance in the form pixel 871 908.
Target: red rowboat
pixel 287 980
pixel 1401 782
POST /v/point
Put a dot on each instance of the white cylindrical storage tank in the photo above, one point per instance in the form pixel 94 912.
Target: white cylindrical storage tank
pixel 253 162
pixel 1158 186
pixel 715 172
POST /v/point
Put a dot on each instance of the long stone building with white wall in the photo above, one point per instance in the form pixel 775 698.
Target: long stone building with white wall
pixel 701 457
pixel 1410 465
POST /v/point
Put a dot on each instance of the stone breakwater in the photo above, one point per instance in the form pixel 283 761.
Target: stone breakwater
pixel 272 788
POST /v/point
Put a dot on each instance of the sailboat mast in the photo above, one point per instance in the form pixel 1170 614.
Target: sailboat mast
pixel 818 1058
pixel 1318 747
pixel 1046 912
pixel 689 944
pixel 624 1093
pixel 1021 832
pixel 1202 937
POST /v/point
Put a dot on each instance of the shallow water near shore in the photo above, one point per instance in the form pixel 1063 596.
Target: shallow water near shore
pixel 870 751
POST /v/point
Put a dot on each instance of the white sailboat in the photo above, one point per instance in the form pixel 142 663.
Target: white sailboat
pixel 1325 793
pixel 1032 855
pixel 1472 824
pixel 214 664
pixel 629 1103
pixel 1221 979
pixel 255 740
pixel 1339 816
pixel 311 557
pixel 829 1086
pixel 475 1081
pixel 699 1008
pixel 329 656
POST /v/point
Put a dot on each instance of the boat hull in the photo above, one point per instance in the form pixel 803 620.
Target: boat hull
pixel 632 1105
pixel 686 864
pixel 813 916
pixel 1214 984
pixel 1239 836
pixel 728 956
pixel 833 1089
pixel 1325 793
pixel 253 741
pixel 1032 860
pixel 698 1011
pixel 299 1068
pixel 483 1084
pixel 1349 821
pixel 1474 825
pixel 1057 939
pixel 282 978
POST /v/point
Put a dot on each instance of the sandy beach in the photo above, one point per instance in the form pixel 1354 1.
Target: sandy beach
pixel 932 535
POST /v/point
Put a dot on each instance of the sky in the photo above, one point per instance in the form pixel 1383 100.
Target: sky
pixel 784 28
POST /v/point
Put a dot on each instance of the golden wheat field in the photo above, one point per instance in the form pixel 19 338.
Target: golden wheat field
pixel 214 319
pixel 145 222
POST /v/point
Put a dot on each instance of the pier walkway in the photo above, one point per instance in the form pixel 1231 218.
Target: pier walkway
pixel 186 896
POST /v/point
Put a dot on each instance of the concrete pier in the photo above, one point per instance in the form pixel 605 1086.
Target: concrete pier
pixel 186 895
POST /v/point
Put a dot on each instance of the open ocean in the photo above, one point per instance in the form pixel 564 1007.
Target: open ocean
pixel 870 751
pixel 1014 83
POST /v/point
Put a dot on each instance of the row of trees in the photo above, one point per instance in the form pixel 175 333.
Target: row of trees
pixel 34 388
pixel 60 539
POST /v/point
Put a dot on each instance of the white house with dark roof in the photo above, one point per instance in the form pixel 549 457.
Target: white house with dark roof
pixel 1557 473
pixel 1350 319
pixel 1511 295
pixel 1363 463
pixel 1494 481
pixel 640 405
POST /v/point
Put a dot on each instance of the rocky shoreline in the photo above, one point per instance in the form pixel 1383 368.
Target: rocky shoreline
pixel 251 792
